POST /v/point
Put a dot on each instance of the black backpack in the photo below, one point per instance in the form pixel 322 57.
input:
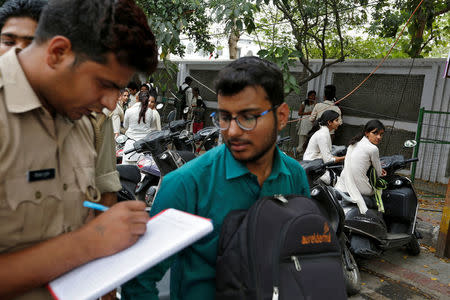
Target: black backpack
pixel 281 248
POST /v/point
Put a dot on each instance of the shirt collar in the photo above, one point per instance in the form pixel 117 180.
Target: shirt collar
pixel 235 169
pixel 19 95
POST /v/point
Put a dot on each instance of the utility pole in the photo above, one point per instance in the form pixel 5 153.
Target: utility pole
pixel 443 244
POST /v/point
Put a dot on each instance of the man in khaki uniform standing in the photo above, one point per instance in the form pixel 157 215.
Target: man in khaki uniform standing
pixel 18 23
pixel 74 67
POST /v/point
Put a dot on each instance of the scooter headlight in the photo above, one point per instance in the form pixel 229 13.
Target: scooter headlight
pixel 398 182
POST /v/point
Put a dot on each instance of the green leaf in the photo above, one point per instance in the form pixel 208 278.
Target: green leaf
pixel 239 25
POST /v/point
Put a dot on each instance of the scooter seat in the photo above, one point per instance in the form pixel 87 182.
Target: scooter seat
pixel 369 200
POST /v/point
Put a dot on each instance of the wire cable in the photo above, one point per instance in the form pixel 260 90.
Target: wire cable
pixel 377 67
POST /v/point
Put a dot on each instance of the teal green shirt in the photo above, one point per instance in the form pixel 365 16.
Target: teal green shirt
pixel 210 186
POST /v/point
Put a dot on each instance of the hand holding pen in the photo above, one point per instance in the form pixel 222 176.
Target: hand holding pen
pixel 117 228
pixel 101 207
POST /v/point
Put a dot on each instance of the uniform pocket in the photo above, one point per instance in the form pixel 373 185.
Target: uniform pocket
pixel 33 212
pixel 85 190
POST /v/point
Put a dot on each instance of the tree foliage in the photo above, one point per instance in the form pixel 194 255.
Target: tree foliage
pixel 425 28
pixel 237 16
pixel 170 19
pixel 315 30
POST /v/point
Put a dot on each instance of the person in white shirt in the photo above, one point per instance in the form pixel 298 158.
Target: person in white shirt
pixel 318 141
pixel 362 153
pixel 327 104
pixel 152 106
pixel 117 113
pixel 133 90
pixel 138 122
pixel 186 89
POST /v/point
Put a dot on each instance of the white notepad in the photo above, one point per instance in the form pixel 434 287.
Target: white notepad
pixel 167 233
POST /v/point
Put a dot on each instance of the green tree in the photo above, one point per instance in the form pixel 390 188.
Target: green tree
pixel 237 17
pixel 425 29
pixel 170 19
pixel 315 28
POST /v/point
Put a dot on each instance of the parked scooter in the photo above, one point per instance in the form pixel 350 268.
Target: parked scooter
pixel 369 234
pixel 158 158
pixel 373 232
pixel 324 196
pixel 206 138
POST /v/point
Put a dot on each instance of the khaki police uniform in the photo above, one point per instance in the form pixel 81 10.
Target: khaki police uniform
pixel 47 166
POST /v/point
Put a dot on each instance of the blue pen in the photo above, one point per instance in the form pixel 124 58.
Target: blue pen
pixel 100 207
pixel 96 206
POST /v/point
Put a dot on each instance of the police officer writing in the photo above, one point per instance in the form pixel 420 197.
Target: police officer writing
pixel 72 68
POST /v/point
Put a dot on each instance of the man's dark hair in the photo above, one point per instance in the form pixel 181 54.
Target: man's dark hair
pixel 311 92
pixel 132 85
pixel 21 8
pixel 188 80
pixel 330 92
pixel 98 27
pixel 251 71
pixel 144 85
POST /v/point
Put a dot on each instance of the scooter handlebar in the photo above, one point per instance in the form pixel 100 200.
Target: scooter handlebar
pixel 129 151
pixel 410 160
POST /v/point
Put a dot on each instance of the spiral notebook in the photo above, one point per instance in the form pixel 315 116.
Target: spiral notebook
pixel 167 233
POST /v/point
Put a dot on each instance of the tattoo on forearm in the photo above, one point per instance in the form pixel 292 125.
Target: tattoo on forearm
pixel 100 229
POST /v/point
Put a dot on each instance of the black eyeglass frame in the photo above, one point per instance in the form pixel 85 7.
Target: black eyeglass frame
pixel 216 122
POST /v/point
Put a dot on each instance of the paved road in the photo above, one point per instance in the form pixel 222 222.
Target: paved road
pixel 398 276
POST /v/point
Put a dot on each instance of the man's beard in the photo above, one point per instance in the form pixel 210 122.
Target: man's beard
pixel 265 148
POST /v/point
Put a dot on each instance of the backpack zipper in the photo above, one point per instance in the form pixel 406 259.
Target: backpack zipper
pixel 280 198
pixel 295 259
pixel 275 293
pixel 297 265
pixel 276 258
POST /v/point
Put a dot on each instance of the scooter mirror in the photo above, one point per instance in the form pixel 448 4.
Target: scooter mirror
pixel 410 143
pixel 159 106
pixel 121 139
pixel 185 110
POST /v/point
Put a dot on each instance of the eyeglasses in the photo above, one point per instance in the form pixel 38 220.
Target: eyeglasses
pixel 247 121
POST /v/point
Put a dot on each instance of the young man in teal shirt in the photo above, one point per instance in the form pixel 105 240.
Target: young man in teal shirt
pixel 251 112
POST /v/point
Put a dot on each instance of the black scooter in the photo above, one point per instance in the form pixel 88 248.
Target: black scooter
pixel 373 232
pixel 331 208
pixel 369 234
pixel 152 167
pixel 166 160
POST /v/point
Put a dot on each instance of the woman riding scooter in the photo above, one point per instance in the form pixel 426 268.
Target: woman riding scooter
pixel 318 141
pixel 362 154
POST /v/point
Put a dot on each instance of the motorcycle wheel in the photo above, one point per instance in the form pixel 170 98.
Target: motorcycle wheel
pixel 351 273
pixel 413 247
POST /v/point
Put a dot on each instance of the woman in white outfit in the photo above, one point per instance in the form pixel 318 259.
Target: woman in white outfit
pixel 152 106
pixel 139 121
pixel 318 142
pixel 362 153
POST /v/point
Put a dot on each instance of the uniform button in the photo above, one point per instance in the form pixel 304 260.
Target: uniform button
pixel 38 195
pixel 65 186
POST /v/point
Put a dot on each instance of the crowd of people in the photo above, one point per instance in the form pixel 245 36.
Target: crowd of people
pixel 62 84
pixel 316 127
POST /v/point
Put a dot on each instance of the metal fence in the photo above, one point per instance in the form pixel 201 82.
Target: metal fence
pixel 433 146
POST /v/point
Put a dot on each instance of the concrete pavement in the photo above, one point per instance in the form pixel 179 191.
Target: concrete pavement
pixel 395 275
